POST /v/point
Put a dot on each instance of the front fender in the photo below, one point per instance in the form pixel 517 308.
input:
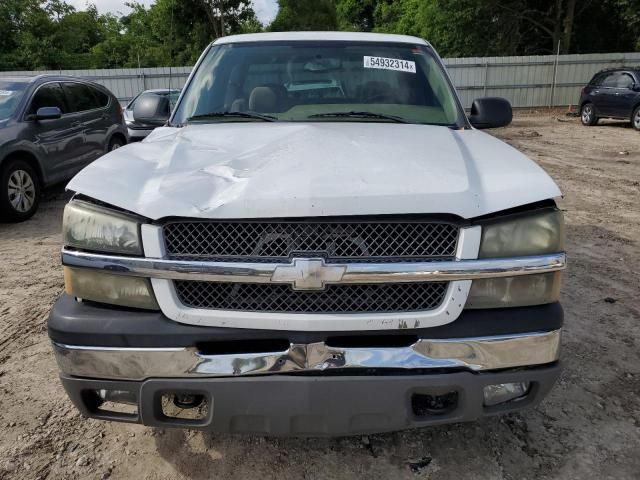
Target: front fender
pixel 26 148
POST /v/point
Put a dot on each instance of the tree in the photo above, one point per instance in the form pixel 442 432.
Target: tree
pixel 502 27
pixel 310 15
pixel 356 15
pixel 52 34
pixel 228 16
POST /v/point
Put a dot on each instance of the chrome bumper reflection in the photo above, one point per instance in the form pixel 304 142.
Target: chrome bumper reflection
pixel 476 354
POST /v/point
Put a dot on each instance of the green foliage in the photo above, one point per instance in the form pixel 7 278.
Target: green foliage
pixel 308 15
pixel 356 15
pixel 502 27
pixel 51 34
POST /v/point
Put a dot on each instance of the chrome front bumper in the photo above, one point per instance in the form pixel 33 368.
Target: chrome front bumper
pixel 474 354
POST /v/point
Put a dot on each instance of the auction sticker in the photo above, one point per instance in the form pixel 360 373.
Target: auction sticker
pixel 390 64
pixel 5 93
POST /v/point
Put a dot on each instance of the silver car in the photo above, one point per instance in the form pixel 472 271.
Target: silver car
pixel 138 131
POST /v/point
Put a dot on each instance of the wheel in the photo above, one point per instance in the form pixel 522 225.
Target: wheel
pixel 115 143
pixel 588 115
pixel 19 191
pixel 635 118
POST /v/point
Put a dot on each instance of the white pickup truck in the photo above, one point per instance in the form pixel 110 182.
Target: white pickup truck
pixel 317 241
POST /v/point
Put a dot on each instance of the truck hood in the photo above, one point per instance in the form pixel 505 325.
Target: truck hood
pixel 269 170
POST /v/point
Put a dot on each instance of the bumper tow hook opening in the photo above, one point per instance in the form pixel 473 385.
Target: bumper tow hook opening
pixel 425 405
pixel 187 401
pixel 184 406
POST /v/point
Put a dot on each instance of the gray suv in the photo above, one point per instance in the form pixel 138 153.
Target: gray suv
pixel 50 128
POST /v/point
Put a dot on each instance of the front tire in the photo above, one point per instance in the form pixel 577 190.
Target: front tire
pixel 115 143
pixel 635 119
pixel 19 191
pixel 588 115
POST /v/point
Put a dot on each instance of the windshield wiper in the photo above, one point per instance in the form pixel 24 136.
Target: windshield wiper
pixel 380 116
pixel 254 116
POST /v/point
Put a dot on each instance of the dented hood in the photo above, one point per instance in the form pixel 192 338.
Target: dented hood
pixel 263 170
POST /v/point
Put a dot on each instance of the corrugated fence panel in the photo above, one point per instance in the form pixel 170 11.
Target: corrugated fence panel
pixel 525 81
pixel 125 83
pixel 528 81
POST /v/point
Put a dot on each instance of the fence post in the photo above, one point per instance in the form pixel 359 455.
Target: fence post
pixel 486 74
pixel 555 76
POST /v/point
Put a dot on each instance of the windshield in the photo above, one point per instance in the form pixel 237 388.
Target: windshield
pixel 320 81
pixel 10 94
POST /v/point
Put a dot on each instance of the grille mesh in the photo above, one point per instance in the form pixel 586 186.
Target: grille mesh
pixel 256 297
pixel 275 241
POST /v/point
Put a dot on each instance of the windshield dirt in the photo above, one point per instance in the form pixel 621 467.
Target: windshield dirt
pixel 10 95
pixel 321 81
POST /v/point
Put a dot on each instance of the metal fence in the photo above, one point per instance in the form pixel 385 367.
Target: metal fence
pixel 532 81
pixel 125 83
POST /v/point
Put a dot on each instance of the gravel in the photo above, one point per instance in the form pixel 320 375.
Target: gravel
pixel 588 428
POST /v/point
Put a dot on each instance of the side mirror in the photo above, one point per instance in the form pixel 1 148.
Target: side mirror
pixel 48 113
pixel 635 87
pixel 152 110
pixel 490 112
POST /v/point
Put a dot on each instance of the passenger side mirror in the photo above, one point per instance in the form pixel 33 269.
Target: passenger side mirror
pixel 490 112
pixel 152 110
pixel 635 87
pixel 48 113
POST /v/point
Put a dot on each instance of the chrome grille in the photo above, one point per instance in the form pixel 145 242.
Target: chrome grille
pixel 375 241
pixel 258 297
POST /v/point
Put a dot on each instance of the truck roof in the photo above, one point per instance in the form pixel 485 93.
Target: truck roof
pixel 330 36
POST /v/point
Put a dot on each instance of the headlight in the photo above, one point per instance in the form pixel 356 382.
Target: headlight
pixel 89 227
pixel 103 287
pixel 535 234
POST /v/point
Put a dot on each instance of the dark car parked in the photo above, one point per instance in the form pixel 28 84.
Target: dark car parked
pixel 50 128
pixel 612 93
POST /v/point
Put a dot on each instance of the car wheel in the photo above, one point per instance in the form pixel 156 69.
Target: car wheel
pixel 19 191
pixel 635 119
pixel 116 143
pixel 588 115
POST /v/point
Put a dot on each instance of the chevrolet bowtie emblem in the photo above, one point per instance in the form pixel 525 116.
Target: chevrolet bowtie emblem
pixel 308 274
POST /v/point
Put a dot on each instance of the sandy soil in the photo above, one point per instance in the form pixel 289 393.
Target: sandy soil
pixel 588 428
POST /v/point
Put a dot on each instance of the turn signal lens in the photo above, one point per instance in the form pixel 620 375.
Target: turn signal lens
pixel 523 291
pixel 102 287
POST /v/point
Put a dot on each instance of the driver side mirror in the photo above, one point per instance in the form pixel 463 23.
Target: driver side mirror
pixel 47 113
pixel 490 112
pixel 152 110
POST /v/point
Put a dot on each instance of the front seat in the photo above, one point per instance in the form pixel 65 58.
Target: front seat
pixel 378 92
pixel 268 99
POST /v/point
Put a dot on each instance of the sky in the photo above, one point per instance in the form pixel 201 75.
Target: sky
pixel 265 9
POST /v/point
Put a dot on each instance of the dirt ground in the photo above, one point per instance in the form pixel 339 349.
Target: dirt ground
pixel 588 428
